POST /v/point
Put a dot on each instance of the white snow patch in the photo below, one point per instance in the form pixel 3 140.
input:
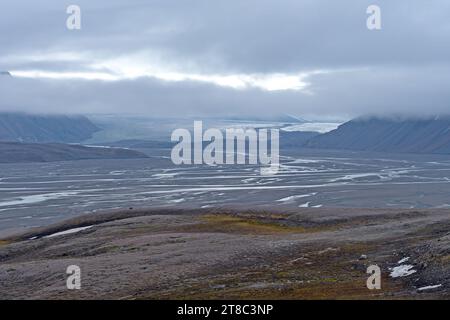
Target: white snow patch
pixel 403 260
pixel 70 231
pixel 402 271
pixel 305 205
pixel 430 287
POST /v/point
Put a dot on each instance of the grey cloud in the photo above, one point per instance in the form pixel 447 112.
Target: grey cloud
pixel 402 68
pixel 398 90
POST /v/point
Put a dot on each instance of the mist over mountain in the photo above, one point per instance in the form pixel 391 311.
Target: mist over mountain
pixel 171 58
pixel 395 134
pixel 23 127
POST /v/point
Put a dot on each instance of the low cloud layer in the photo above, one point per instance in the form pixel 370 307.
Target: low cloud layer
pixel 310 58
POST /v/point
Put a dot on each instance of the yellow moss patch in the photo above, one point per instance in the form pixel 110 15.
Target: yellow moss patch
pixel 4 242
pixel 445 259
pixel 228 223
pixel 358 248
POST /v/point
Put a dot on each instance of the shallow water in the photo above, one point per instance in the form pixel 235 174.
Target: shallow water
pixel 42 193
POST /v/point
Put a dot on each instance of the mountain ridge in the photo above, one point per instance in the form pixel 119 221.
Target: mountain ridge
pixel 397 134
pixel 18 152
pixel 22 127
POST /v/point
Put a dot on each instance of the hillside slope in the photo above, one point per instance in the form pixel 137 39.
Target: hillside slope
pixel 388 135
pixel 45 128
pixel 14 152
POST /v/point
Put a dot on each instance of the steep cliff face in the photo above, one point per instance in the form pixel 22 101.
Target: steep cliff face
pixel 430 135
pixel 45 128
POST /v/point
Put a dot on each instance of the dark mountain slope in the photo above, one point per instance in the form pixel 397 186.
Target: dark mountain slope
pixel 295 139
pixel 14 152
pixel 388 135
pixel 45 128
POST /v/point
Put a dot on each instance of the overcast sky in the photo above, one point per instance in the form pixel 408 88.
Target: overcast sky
pixel 311 58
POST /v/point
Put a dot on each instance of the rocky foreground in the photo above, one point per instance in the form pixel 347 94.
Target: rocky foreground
pixel 233 254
